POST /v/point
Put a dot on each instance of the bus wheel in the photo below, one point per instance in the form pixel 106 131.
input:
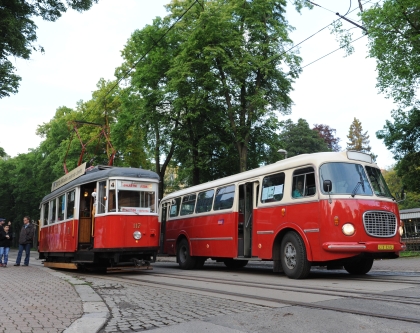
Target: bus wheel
pixel 293 256
pixel 360 266
pixel 185 260
pixel 234 264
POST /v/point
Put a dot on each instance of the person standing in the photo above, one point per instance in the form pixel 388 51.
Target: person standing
pixel 26 238
pixel 5 242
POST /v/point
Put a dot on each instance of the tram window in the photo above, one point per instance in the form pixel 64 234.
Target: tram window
pixel 112 201
pixel 188 204
pixel 303 183
pixel 175 207
pixel 61 207
pixel 273 188
pixel 52 212
pixel 204 201
pixel 101 198
pixel 45 214
pixel 70 204
pixel 224 197
pixel 136 199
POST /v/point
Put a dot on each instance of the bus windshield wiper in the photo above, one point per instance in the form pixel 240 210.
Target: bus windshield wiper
pixel 355 189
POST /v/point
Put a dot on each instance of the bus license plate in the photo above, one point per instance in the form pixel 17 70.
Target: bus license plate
pixel 385 247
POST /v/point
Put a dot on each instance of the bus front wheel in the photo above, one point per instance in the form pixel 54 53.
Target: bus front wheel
pixel 293 256
pixel 185 260
pixel 359 267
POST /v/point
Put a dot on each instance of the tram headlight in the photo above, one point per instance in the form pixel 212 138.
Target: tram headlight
pixel 348 229
pixel 137 235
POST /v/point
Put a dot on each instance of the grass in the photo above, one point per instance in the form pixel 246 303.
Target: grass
pixel 410 254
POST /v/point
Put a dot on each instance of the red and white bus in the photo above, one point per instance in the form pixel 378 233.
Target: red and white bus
pixel 323 209
pixel 106 216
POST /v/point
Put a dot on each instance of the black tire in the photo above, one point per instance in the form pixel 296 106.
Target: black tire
pixel 199 262
pixel 293 256
pixel 185 260
pixel 235 264
pixel 359 266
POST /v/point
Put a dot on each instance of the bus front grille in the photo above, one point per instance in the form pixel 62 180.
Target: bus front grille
pixel 380 223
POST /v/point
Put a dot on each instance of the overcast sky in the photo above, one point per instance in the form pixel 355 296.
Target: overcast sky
pixel 81 48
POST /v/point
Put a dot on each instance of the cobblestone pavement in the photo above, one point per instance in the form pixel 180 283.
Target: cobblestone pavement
pixel 135 308
pixel 32 300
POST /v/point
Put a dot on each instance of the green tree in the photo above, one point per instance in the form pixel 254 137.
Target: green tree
pixel 395 184
pixel 394 41
pixel 299 139
pixel 359 140
pixel 18 33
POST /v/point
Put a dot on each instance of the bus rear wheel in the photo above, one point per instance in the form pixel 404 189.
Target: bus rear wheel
pixel 185 260
pixel 359 266
pixel 235 264
pixel 293 256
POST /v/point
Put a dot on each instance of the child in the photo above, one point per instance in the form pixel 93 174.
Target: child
pixel 5 242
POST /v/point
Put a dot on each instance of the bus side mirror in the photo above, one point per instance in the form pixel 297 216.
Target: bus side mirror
pixel 327 186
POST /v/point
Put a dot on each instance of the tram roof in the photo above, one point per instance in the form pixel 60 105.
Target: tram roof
pixel 288 163
pixel 101 172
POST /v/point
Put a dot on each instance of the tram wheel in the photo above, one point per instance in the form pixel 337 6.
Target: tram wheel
pixel 185 260
pixel 234 264
pixel 293 256
pixel 359 266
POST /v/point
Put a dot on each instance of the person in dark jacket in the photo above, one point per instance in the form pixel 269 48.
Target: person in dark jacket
pixel 5 242
pixel 26 238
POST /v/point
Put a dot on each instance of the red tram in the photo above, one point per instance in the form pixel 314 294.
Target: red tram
pixel 106 217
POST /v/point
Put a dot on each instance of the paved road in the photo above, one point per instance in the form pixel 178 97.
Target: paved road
pixel 37 299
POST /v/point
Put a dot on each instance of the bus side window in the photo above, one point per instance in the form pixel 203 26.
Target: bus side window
pixel 204 201
pixel 175 207
pixel 224 197
pixel 188 204
pixel 303 183
pixel 273 188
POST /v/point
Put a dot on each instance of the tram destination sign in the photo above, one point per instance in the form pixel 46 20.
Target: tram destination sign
pixel 73 174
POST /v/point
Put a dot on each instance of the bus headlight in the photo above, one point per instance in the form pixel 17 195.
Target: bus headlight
pixel 137 235
pixel 348 229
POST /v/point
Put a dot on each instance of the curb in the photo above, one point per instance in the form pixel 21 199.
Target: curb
pixel 95 311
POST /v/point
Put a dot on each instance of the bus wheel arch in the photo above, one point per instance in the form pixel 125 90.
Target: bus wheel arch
pixel 183 254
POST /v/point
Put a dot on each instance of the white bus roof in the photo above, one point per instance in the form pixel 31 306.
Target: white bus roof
pixel 315 159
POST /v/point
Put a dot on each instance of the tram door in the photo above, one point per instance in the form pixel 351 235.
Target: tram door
pixel 86 216
pixel 245 220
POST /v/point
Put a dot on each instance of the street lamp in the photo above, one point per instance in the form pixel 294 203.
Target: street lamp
pixel 282 151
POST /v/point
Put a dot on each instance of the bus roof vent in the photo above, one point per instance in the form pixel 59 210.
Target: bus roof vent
pixel 359 156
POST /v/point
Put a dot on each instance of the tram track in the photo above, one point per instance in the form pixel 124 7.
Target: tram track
pixel 244 296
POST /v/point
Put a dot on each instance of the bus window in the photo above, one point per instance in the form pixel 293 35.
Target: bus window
pixel 204 201
pixel 273 188
pixel 188 204
pixel 52 212
pixel 224 197
pixel 346 178
pixel 304 183
pixel 100 198
pixel 378 182
pixel 61 207
pixel 70 204
pixel 175 207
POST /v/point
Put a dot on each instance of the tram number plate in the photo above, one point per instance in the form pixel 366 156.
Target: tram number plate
pixel 385 247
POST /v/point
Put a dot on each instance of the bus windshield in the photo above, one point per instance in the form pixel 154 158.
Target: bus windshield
pixel 346 178
pixel 378 182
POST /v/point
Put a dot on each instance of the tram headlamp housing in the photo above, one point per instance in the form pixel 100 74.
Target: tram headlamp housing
pixel 348 229
pixel 137 235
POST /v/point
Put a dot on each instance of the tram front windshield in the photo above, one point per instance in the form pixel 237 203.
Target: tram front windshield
pixel 132 197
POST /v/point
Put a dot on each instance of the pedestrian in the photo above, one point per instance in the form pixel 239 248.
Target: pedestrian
pixel 5 242
pixel 2 223
pixel 26 238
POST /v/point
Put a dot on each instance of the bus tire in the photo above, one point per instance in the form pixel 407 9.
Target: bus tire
pixel 359 266
pixel 235 264
pixel 185 260
pixel 293 256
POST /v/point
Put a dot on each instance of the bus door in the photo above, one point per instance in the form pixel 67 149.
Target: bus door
pixel 245 210
pixel 163 217
pixel 86 216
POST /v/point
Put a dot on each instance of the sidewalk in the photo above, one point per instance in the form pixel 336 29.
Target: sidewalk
pixel 37 299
